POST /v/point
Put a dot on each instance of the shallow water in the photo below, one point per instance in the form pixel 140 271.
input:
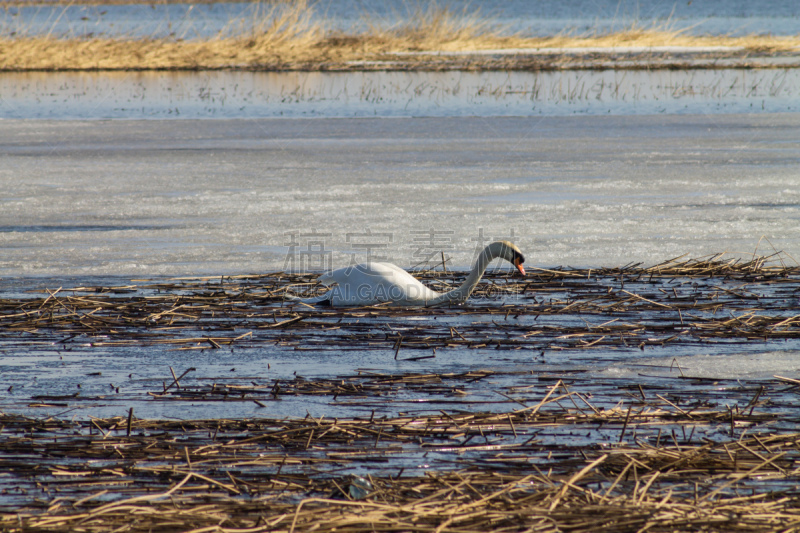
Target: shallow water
pixel 99 365
pixel 747 365
pixel 550 17
pixel 110 381
pixel 108 178
pixel 224 94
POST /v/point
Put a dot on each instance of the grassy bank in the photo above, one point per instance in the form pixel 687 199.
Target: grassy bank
pixel 285 36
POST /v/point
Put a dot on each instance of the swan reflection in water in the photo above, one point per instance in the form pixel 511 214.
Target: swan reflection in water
pixel 374 283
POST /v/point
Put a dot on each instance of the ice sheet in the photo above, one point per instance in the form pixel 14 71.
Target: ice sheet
pixel 148 198
pixel 747 365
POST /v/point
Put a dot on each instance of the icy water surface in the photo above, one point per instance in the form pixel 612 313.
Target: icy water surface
pixel 549 17
pixel 223 94
pixel 107 179
pixel 212 197
pixel 101 203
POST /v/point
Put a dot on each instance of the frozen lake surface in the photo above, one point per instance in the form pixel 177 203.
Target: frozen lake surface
pixel 108 178
pixel 212 197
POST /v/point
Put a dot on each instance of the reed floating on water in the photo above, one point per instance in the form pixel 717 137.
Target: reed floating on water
pixel 685 302
pixel 549 450
pixel 492 470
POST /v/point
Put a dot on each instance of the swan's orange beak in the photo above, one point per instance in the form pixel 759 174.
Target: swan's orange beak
pixel 518 264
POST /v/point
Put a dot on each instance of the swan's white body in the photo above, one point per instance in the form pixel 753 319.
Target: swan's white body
pixel 375 283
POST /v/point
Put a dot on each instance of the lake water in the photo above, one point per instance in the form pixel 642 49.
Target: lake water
pixel 222 94
pixel 548 17
pixel 226 172
pixel 111 177
pixel 132 179
pixel 229 196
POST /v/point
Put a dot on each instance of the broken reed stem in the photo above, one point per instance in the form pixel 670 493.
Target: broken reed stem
pixel 625 424
pixel 175 379
pixel 489 469
pixel 491 484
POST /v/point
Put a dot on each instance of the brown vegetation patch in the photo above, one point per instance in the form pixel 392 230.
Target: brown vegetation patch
pixel 284 37
pixel 550 451
pixel 334 475
pixel 681 302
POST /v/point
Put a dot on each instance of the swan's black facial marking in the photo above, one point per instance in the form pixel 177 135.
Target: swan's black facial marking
pixel 512 254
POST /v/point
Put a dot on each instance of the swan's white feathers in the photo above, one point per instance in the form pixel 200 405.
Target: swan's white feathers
pixel 375 283
pixel 372 283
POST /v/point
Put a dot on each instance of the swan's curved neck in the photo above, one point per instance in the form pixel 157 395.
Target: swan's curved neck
pixel 460 294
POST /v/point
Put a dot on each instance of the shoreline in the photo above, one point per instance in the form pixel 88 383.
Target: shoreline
pixel 596 58
pixel 288 38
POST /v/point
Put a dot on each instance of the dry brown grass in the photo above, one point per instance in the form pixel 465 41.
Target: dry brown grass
pixel 642 37
pixel 284 37
pixel 493 471
pixel 557 450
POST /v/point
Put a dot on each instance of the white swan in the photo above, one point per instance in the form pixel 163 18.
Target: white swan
pixel 373 283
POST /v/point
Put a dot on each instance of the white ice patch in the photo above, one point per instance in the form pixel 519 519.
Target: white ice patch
pixel 759 365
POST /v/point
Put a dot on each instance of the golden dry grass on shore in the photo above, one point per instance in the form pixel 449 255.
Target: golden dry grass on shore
pixel 284 36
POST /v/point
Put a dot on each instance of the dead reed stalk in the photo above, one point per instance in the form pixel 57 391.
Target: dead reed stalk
pixel 286 36
pixel 295 474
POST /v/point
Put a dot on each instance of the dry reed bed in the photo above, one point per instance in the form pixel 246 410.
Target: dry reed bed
pixel 284 37
pixel 554 452
pixel 686 302
pixel 295 474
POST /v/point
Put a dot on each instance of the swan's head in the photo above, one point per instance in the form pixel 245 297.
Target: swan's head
pixel 512 254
